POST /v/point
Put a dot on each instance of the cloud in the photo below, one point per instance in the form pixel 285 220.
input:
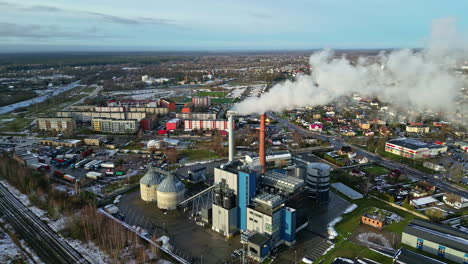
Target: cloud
pixel 261 16
pixel 38 32
pixel 97 15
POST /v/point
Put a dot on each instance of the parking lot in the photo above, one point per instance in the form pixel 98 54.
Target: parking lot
pixel 202 244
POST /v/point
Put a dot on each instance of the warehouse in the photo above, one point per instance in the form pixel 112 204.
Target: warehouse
pixel 413 149
pixel 440 240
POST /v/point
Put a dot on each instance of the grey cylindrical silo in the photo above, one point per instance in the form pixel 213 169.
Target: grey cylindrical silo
pixel 318 181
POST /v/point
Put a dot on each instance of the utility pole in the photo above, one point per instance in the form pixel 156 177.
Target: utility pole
pixel 295 259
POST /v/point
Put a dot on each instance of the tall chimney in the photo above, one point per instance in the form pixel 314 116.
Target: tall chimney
pixel 230 115
pixel 261 144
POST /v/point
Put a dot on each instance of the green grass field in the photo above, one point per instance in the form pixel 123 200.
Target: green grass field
pixel 348 249
pixel 213 94
pixel 375 170
pixel 198 154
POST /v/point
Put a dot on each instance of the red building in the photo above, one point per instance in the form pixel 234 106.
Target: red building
pixel 173 124
pixel 169 104
pixel 146 124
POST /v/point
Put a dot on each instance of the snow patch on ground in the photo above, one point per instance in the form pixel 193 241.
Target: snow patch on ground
pixel 90 251
pixel 369 238
pixel 22 197
pixel 8 249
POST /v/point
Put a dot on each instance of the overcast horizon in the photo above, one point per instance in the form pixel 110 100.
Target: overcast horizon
pixel 219 26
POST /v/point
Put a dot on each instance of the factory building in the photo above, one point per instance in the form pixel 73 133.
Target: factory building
pixel 439 240
pixel 225 211
pixel 149 185
pixel 318 181
pixel 114 126
pixel 413 149
pixel 205 124
pixel 201 101
pixel 269 205
pixel 162 187
pixel 261 207
pixel 199 116
pixel 59 124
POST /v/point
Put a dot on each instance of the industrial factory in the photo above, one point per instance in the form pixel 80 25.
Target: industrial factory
pixel 265 207
pixel 249 197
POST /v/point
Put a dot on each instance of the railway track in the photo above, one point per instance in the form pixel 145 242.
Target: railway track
pixel 49 246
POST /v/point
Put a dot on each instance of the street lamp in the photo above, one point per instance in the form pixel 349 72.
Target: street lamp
pixel 295 260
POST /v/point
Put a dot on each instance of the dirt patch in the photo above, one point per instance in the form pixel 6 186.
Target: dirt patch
pixel 372 237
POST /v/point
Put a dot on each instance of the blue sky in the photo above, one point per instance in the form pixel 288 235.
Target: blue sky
pixel 218 25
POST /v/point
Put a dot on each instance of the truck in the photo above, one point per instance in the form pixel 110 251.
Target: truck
pixel 39 166
pixel 107 165
pixel 93 175
pixel 86 153
pixel 70 156
pixel 69 178
pixel 81 163
pixel 92 165
pixel 59 173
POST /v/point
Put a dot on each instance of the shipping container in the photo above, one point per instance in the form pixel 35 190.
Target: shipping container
pixel 58 173
pixel 93 175
pixel 69 178
pixel 107 165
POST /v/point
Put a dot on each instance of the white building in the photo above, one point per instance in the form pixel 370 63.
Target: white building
pixel 455 201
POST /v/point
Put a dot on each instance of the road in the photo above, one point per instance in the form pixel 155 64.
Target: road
pixel 40 237
pixel 337 143
pixel 93 94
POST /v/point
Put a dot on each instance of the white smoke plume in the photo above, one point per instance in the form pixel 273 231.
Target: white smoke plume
pixel 418 79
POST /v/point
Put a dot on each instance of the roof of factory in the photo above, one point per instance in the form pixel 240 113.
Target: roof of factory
pixel 258 239
pixel 174 120
pixel 282 181
pixel 171 184
pixel 274 155
pixel 268 199
pixel 404 255
pixel 409 143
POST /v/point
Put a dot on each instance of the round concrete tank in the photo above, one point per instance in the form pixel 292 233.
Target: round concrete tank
pixel 318 181
pixel 149 184
pixel 170 192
